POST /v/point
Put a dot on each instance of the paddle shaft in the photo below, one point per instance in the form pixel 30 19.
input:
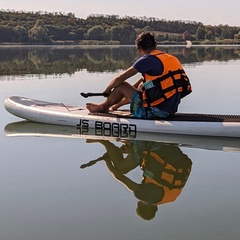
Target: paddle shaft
pixel 90 94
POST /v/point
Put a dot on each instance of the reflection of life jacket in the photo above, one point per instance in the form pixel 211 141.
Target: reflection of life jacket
pixel 171 177
pixel 162 87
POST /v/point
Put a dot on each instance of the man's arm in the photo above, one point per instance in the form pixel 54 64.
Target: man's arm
pixel 120 79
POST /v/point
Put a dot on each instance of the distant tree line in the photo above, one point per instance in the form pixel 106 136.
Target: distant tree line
pixel 57 27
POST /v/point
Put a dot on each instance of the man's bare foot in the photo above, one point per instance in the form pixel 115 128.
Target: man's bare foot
pixel 114 107
pixel 94 108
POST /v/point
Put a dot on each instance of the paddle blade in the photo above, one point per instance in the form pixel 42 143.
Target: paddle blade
pixel 85 95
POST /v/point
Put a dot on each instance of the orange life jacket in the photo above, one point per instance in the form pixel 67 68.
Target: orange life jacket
pixel 172 80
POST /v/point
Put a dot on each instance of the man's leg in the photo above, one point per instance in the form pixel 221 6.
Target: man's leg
pixel 124 90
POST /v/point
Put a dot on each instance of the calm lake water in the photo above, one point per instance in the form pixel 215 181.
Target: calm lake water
pixel 46 195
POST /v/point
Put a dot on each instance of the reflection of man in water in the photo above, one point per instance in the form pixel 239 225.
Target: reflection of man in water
pixel 165 171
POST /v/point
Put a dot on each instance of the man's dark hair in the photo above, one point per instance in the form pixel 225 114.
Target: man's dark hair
pixel 146 41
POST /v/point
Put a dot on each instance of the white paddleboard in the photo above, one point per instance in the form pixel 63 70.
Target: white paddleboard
pixel 122 122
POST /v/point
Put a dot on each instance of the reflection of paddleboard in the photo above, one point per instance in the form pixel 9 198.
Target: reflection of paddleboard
pixel 25 128
pixel 123 121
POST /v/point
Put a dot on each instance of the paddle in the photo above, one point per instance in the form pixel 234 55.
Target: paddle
pixel 90 94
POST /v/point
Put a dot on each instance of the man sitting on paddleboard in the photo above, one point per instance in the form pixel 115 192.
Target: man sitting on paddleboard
pixel 158 93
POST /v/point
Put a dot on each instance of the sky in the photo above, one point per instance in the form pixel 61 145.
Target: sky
pixel 212 12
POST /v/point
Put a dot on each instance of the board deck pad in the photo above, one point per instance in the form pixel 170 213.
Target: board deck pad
pixel 179 116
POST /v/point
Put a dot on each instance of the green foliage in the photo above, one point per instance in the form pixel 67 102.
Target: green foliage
pixel 51 28
pixel 237 36
pixel 96 33
pixel 38 34
pixel 20 34
pixel 201 33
